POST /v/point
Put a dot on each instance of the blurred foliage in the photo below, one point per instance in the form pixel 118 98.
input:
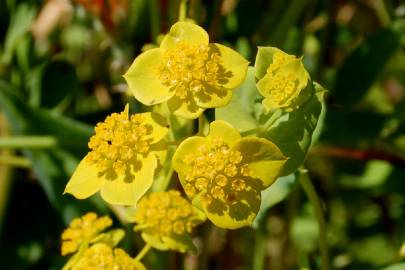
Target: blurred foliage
pixel 61 66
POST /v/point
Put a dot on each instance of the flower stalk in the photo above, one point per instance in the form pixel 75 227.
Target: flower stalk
pixel 143 252
pixel 313 197
pixel 183 10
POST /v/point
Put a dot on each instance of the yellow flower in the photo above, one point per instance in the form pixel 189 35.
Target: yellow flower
pixel 224 174
pixel 82 230
pixel 123 158
pixel 102 257
pixel 166 219
pixel 187 71
pixel 284 79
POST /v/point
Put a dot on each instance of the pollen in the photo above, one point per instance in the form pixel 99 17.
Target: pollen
pixel 102 256
pixel 215 171
pixel 282 87
pixel 279 59
pixel 189 70
pixel 165 214
pixel 118 141
pixel 83 229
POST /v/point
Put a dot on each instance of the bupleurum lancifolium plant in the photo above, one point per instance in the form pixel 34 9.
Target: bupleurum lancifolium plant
pixel 264 120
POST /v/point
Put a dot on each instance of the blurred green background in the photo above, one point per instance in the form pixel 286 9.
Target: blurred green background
pixel 61 66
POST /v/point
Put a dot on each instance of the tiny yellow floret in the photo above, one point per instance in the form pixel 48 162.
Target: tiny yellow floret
pixel 166 219
pixel 118 141
pixel 190 69
pixel 187 71
pixel 283 80
pixel 101 256
pixel 123 156
pixel 224 173
pixel 83 229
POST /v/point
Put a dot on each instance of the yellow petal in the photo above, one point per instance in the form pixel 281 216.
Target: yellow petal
pixel 187 147
pixel 265 58
pixel 266 84
pixel 240 214
pixel 155 241
pixel 269 104
pixel 159 150
pixel 143 81
pixel 85 180
pixel 124 191
pixel 159 126
pixel 227 222
pixel 187 32
pixel 234 64
pixel 224 130
pixel 181 243
pixel 138 265
pixel 180 108
pixel 213 97
pixel 265 159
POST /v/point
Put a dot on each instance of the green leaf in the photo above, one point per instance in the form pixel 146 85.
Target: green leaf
pixel 264 58
pixel 54 166
pixel 240 111
pixel 293 131
pixel 397 266
pixel 71 135
pixel 20 25
pixel 111 237
pixel 364 64
pixel 58 81
pixel 274 194
pixel 376 250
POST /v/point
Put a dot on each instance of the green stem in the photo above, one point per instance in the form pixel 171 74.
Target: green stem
pixel 201 123
pixel 273 118
pixel 154 19
pixel 315 201
pixel 15 161
pixel 173 143
pixel 289 18
pixel 381 9
pixel 259 252
pixel 143 252
pixel 252 131
pixel 5 176
pixel 183 10
pixel 28 142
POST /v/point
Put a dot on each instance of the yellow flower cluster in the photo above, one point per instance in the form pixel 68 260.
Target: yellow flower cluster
pixel 190 69
pixel 218 170
pixel 101 256
pixel 83 230
pixel 224 173
pixel 282 85
pixel 187 71
pixel 165 218
pixel 284 79
pixel 123 156
pixel 279 59
pixel 118 141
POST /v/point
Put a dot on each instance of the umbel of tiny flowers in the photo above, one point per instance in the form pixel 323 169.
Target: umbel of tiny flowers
pixel 101 256
pixel 187 71
pixel 224 174
pixel 282 77
pixel 83 230
pixel 92 247
pixel 124 153
pixel 166 220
